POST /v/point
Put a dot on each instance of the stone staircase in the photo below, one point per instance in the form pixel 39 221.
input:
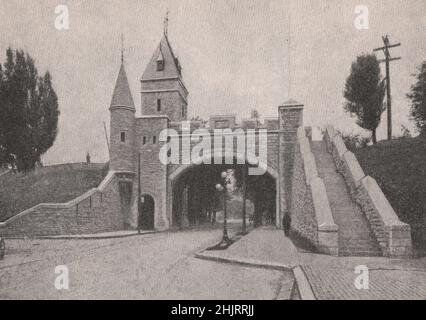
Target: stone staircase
pixel 355 235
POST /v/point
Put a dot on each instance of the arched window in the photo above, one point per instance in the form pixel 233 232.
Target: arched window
pixel 158 104
pixel 154 139
pixel 144 140
pixel 123 137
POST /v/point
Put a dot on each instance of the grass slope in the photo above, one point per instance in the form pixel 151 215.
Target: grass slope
pixel 399 167
pixel 59 183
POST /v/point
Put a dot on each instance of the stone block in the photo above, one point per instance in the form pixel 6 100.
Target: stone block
pixel 400 252
pixel 379 202
pixel 321 204
pixel 339 146
pixel 355 172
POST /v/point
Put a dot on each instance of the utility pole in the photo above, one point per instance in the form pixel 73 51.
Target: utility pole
pixel 388 59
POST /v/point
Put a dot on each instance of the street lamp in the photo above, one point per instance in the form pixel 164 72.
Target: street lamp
pixel 2 248
pixel 222 187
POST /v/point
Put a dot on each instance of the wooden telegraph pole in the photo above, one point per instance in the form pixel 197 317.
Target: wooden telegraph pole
pixel 388 59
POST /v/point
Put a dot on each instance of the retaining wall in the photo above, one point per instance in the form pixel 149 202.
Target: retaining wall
pixel 393 235
pixel 98 210
pixel 311 217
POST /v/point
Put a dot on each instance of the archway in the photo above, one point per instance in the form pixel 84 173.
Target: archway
pixel 146 212
pixel 190 186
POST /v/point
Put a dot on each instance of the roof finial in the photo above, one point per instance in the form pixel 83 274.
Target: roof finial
pixel 122 48
pixel 166 22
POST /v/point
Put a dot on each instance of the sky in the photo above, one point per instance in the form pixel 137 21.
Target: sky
pixel 236 56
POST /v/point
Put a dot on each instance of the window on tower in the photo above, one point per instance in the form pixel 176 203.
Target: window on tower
pixel 158 104
pixel 154 139
pixel 144 140
pixel 123 137
pixel 160 65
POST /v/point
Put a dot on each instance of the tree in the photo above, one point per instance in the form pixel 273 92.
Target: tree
pixel 28 112
pixel 254 114
pixel 417 96
pixel 364 93
pixel 198 118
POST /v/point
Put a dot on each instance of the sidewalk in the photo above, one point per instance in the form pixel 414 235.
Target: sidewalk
pixel 328 277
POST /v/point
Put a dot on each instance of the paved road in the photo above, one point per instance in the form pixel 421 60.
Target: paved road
pixel 154 266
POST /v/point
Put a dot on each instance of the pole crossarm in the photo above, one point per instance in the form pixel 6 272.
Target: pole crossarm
pixel 389 46
pixel 390 59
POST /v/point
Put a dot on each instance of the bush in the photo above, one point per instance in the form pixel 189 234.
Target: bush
pixel 354 141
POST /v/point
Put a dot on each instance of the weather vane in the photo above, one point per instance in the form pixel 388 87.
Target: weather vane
pixel 122 48
pixel 166 22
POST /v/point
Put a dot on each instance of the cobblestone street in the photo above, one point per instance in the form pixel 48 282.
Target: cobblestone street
pixel 338 284
pixel 152 266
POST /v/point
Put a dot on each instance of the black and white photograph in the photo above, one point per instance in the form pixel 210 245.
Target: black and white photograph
pixel 213 150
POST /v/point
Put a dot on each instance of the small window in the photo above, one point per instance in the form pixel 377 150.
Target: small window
pixel 183 111
pixel 123 137
pixel 158 104
pixel 144 140
pixel 154 139
pixel 160 65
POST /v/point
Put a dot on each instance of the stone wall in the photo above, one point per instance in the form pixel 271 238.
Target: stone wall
pixel 173 97
pixel 153 175
pixel 311 217
pixel 271 156
pixel 98 210
pixel 303 224
pixel 393 236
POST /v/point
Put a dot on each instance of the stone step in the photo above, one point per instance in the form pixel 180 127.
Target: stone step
pixel 361 243
pixel 358 253
pixel 355 235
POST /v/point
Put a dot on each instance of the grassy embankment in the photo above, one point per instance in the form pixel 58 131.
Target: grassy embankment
pixel 59 183
pixel 399 167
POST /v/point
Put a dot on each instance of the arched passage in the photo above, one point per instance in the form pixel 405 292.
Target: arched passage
pixel 191 192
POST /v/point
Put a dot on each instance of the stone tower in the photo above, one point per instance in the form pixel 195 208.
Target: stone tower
pixel 122 125
pixel 163 100
pixel 162 88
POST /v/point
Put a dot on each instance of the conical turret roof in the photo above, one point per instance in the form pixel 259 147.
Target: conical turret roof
pixel 122 97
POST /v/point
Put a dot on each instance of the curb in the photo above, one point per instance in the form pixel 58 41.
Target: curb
pixel 302 282
pixel 245 262
pixel 82 237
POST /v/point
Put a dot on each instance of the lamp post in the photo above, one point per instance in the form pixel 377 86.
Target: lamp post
pixel 222 187
pixel 2 248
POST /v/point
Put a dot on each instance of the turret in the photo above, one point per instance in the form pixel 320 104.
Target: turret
pixel 122 125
